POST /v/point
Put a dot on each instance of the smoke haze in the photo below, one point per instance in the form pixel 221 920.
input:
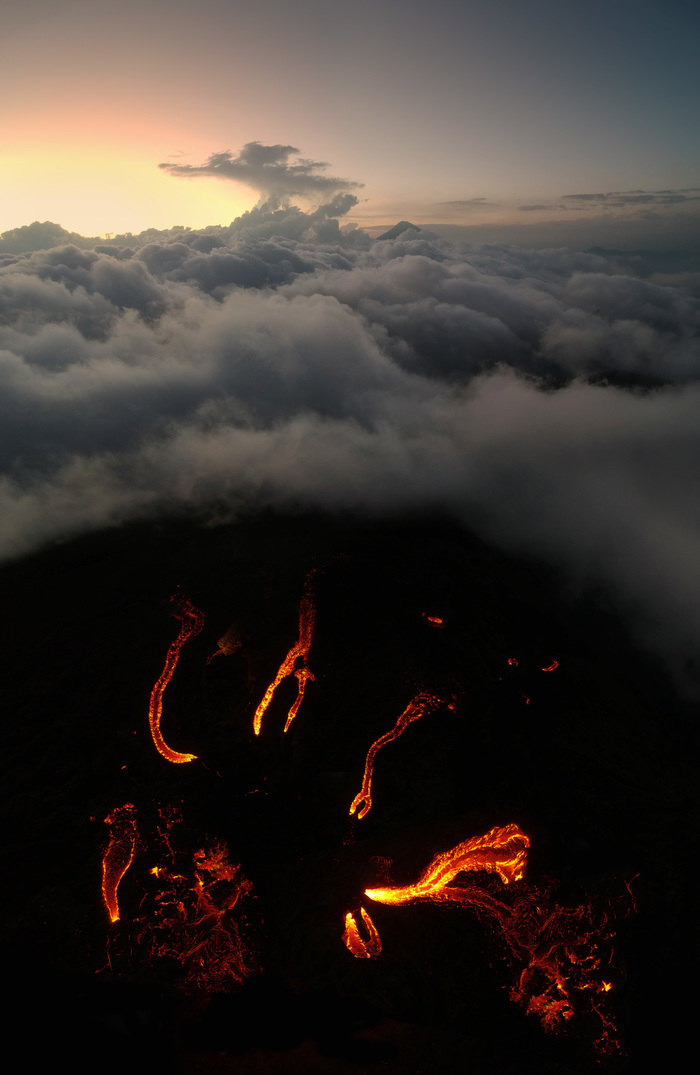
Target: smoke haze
pixel 546 398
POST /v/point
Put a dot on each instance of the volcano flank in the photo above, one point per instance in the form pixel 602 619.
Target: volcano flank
pixel 490 703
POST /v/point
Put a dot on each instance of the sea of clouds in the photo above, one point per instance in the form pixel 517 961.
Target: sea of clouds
pixel 547 398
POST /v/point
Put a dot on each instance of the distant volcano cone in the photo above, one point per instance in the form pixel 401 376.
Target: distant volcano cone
pixel 398 229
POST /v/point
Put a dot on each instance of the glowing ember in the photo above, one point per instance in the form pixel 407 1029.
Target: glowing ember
pixel 420 705
pixel 298 653
pixel 434 621
pixel 355 943
pixel 228 643
pixel 502 851
pixel 552 666
pixel 192 622
pixel 119 854
pixel 568 954
pixel 191 919
pixel 513 661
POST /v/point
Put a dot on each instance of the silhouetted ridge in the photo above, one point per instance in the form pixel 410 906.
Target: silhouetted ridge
pixel 398 229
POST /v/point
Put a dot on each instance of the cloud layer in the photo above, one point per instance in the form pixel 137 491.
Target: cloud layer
pixel 547 398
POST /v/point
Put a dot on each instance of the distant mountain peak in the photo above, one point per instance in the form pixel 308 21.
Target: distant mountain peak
pixel 393 233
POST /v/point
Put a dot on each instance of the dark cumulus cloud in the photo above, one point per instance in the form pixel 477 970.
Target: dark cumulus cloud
pixel 276 171
pixel 547 398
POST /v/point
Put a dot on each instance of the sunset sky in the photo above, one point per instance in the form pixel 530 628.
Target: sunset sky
pixel 447 112
pixel 527 362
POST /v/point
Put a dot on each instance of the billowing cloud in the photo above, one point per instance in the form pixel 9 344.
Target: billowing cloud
pixel 548 398
pixel 271 170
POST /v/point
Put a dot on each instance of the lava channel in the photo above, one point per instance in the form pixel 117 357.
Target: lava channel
pixel 420 705
pixel 119 854
pixel 192 621
pixel 502 850
pixel 298 653
pixel 355 942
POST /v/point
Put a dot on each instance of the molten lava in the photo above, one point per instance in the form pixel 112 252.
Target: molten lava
pixel 355 943
pixel 189 920
pixel 563 956
pixel 502 851
pixel 192 622
pixel 420 705
pixel 551 667
pixel 119 854
pixel 298 653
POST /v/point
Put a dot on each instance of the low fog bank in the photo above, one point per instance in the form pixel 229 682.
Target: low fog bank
pixel 547 398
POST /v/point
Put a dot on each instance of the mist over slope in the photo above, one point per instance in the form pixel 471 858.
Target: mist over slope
pixel 547 398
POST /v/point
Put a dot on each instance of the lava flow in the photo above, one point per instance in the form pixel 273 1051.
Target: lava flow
pixel 420 705
pixel 503 850
pixel 119 854
pixel 192 621
pixel 189 921
pixel 298 652
pixel 563 956
pixel 353 940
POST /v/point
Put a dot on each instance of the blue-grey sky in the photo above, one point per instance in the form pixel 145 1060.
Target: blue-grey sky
pixel 455 111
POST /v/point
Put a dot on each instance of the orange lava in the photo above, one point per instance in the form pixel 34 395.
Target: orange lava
pixel 298 653
pixel 552 666
pixel 563 955
pixel 512 660
pixel 503 850
pixel 420 705
pixel 119 854
pixel 192 621
pixel 189 922
pixel 434 621
pixel 355 943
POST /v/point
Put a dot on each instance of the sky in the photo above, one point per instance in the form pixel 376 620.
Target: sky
pixel 454 112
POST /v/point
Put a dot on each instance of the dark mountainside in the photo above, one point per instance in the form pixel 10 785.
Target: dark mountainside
pixel 598 769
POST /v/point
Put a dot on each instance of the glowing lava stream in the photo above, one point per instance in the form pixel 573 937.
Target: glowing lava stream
pixel 503 850
pixel 299 651
pixel 355 943
pixel 417 707
pixel 192 621
pixel 119 854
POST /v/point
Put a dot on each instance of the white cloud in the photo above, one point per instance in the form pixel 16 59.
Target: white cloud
pixel 244 366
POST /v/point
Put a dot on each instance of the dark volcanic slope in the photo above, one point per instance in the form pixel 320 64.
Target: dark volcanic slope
pixel 598 769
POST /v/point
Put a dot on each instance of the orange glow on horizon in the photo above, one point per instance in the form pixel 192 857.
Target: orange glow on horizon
pixel 96 191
